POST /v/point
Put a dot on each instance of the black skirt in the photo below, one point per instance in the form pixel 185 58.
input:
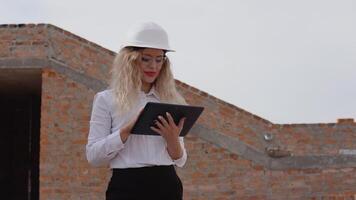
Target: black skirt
pixel 156 182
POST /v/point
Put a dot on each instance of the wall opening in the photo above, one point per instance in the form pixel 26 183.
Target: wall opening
pixel 20 105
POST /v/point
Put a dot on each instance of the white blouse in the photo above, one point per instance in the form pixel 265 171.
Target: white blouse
pixel 104 142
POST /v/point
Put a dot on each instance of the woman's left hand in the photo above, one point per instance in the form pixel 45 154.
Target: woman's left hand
pixel 170 132
pixel 168 129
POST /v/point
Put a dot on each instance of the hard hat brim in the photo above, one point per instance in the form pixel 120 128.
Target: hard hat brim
pixel 147 46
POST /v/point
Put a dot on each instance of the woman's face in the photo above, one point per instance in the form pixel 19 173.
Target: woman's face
pixel 151 62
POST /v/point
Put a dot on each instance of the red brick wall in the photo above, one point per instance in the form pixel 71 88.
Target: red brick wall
pixel 64 171
pixel 211 172
pixel 214 173
pixel 304 139
pixel 80 54
pixel 23 42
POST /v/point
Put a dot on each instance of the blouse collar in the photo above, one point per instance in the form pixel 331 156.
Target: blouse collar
pixel 151 92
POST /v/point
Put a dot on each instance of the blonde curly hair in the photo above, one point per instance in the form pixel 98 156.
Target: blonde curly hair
pixel 126 80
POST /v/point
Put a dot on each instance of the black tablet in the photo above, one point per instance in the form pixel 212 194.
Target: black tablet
pixel 152 110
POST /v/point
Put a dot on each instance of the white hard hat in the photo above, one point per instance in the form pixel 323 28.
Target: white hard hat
pixel 147 34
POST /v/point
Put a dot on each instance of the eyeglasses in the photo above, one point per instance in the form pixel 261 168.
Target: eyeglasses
pixel 148 59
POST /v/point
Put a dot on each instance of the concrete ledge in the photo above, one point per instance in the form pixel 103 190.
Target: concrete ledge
pixel 59 67
pixel 22 63
pixel 231 144
pixel 307 162
pixel 91 83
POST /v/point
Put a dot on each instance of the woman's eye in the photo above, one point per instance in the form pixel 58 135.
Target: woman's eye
pixel 159 60
pixel 145 59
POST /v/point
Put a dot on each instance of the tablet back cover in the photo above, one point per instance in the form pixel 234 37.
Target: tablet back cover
pixel 152 110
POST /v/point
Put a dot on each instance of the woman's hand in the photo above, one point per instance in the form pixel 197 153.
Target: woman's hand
pixel 170 132
pixel 126 130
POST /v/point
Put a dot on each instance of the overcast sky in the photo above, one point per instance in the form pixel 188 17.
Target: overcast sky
pixel 285 61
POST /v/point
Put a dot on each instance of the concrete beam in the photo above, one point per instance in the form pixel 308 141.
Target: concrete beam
pixel 57 66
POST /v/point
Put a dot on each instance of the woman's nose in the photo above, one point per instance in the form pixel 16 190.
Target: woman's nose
pixel 153 65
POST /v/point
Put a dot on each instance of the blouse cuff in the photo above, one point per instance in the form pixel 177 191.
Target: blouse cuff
pixel 181 161
pixel 114 142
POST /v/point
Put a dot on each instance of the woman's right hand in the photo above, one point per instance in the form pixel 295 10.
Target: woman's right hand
pixel 126 130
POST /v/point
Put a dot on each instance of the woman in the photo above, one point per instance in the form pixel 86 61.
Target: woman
pixel 142 165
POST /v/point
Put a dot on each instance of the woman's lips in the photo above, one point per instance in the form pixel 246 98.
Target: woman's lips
pixel 150 74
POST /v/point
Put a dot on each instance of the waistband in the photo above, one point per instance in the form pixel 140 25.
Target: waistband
pixel 147 168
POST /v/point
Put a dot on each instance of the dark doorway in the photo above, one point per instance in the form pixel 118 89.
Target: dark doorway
pixel 19 146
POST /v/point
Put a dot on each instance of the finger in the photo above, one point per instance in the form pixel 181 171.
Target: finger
pixel 160 126
pixel 170 119
pixel 156 130
pixel 181 123
pixel 163 121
